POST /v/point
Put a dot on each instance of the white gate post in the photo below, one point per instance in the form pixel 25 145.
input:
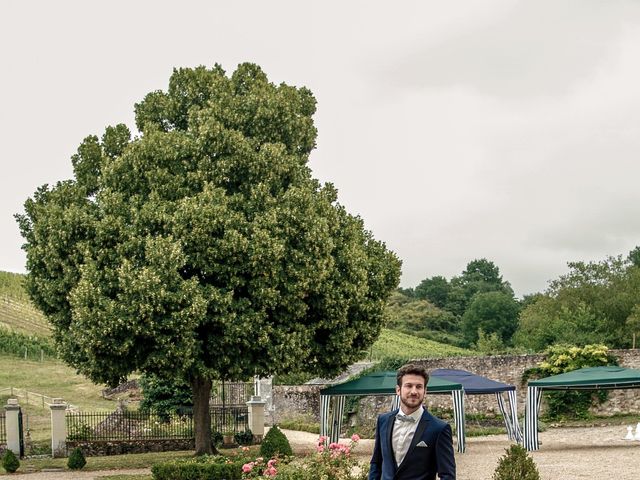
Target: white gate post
pixel 256 417
pixel 58 428
pixel 12 410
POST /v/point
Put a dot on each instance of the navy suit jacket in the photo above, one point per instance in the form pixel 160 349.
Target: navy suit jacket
pixel 421 462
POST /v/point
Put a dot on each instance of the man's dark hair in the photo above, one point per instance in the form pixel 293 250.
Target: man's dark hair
pixel 412 369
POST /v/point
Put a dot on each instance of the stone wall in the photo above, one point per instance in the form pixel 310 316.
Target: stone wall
pixel 292 402
pixel 296 402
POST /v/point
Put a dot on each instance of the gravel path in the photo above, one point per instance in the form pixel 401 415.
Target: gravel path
pixel 565 453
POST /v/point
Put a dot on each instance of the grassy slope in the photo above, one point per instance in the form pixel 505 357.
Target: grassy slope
pixel 397 344
pixel 16 311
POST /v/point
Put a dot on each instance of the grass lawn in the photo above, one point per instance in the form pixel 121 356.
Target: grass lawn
pixel 133 460
pixel 53 379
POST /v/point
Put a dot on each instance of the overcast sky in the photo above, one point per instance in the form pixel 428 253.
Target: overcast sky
pixel 502 129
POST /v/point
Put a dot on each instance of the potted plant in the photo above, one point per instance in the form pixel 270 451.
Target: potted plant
pixel 228 437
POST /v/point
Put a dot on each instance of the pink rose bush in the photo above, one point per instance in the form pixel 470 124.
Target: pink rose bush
pixel 331 461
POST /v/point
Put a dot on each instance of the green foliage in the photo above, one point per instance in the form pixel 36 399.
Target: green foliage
pixel 301 424
pixel 166 250
pixel 244 438
pixel 210 467
pixel 396 344
pixel 489 344
pixel 563 358
pixel 418 317
pixel 592 302
pixel 165 396
pixel 275 444
pixel 76 459
pixel 491 312
pixel 435 290
pixel 516 464
pixel 292 378
pixel 21 345
pixel 12 286
pixel 332 462
pixel 10 462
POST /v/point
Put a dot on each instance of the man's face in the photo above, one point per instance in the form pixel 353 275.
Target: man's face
pixel 411 391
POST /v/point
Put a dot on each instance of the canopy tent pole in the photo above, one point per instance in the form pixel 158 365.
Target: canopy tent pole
pixel 458 415
pixel 395 403
pixel 531 418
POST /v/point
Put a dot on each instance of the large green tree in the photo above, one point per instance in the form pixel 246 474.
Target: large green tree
pixel 491 312
pixel 203 248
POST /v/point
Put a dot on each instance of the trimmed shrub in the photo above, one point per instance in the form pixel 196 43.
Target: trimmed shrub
pixel 10 462
pixel 244 438
pixel 76 459
pixel 275 444
pixel 516 465
pixel 209 467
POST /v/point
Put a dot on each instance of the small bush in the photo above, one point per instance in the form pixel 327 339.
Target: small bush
pixel 10 462
pixel 76 459
pixel 216 438
pixel 275 444
pixel 516 465
pixel 244 438
pixel 210 467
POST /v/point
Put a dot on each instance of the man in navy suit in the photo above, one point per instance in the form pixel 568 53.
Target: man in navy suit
pixel 412 444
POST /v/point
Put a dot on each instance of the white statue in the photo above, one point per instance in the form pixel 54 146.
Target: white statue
pixel 629 433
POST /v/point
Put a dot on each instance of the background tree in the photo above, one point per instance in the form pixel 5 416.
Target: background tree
pixel 203 249
pixel 434 289
pixel 165 396
pixel 491 312
pixel 592 302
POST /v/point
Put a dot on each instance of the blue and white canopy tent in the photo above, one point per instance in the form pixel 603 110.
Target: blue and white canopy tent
pixel 588 378
pixel 473 384
pixel 383 383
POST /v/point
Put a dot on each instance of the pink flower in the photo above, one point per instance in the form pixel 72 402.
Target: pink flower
pixel 355 437
pixel 271 472
pixel 247 467
pixel 334 445
pixel 271 462
pixel 320 448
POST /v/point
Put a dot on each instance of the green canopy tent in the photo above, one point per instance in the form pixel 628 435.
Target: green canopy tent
pixel 591 378
pixel 383 383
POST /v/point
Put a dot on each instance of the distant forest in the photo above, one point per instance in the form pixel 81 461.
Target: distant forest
pixel 595 302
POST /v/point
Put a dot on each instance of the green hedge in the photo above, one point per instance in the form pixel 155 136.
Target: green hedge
pixel 216 467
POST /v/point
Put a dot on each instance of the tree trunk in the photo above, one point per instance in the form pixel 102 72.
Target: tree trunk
pixel 201 417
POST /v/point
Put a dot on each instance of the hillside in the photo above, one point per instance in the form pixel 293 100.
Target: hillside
pixel 393 343
pixel 16 311
pixel 20 316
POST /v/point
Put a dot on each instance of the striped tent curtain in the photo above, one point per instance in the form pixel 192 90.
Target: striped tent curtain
pixel 458 415
pixel 511 418
pixel 531 418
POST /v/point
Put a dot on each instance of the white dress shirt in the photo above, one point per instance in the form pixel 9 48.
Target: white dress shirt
pixel 404 428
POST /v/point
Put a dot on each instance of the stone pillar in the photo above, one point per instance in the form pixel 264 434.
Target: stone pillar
pixel 12 424
pixel 256 417
pixel 58 428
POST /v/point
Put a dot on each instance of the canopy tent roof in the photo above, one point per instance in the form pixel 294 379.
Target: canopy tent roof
pixel 611 377
pixel 589 378
pixel 384 383
pixel 473 384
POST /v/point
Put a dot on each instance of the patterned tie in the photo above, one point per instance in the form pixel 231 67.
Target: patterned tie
pixel 405 418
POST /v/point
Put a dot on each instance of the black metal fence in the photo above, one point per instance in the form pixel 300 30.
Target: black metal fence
pixel 135 425
pixel 3 429
pixel 231 393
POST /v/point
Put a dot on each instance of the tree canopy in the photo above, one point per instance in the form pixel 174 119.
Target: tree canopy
pixel 203 248
pixel 594 301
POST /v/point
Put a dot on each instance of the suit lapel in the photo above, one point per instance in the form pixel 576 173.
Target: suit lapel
pixel 390 423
